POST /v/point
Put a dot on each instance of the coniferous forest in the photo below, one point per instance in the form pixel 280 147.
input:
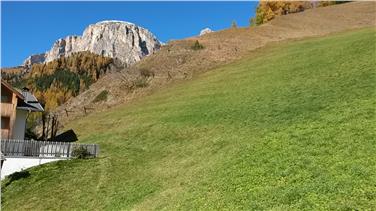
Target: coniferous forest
pixel 55 82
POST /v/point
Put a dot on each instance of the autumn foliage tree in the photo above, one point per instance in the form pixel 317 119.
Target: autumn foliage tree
pixel 268 10
pixel 55 82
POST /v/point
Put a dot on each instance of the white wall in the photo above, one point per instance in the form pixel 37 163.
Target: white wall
pixel 12 165
pixel 20 124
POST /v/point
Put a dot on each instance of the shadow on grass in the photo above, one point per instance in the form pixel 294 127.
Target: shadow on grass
pixel 16 176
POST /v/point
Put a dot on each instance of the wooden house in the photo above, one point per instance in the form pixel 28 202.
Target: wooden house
pixel 15 108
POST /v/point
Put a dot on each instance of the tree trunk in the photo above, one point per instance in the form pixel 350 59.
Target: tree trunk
pixel 43 126
pixel 47 129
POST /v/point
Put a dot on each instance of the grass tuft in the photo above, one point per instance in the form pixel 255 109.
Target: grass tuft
pixel 102 96
pixel 197 46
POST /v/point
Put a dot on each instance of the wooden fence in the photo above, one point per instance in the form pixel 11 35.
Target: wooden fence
pixel 44 149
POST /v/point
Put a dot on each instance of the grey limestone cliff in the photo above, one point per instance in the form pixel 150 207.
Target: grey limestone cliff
pixel 116 39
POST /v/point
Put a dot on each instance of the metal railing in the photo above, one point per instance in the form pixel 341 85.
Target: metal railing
pixel 45 149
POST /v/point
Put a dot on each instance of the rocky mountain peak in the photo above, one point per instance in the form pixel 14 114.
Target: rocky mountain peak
pixel 205 31
pixel 116 39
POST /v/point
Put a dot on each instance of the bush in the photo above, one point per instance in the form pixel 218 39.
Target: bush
pixel 197 46
pixel 101 96
pixel 141 82
pixel 146 73
pixel 30 134
pixel 252 22
pixel 80 152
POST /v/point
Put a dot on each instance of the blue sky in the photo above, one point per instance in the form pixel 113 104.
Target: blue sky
pixel 32 27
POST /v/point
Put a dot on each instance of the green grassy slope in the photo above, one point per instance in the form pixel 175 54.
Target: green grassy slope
pixel 290 127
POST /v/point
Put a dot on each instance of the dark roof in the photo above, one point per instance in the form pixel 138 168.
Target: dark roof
pixel 29 106
pixel 67 136
pixel 28 101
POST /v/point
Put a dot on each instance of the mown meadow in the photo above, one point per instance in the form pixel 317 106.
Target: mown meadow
pixel 290 127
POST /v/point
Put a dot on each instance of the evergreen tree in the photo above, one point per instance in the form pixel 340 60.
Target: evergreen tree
pixel 233 24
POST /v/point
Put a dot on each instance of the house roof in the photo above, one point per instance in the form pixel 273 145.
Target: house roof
pixel 10 88
pixel 31 102
pixel 67 136
pixel 28 101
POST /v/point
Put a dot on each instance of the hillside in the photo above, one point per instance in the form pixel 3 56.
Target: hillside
pixel 14 75
pixel 55 82
pixel 268 10
pixel 289 127
pixel 177 60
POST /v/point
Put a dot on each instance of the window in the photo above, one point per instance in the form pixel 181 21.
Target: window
pixel 6 96
pixel 5 122
pixel 5 99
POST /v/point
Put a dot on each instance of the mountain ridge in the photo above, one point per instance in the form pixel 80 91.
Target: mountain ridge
pixel 120 40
